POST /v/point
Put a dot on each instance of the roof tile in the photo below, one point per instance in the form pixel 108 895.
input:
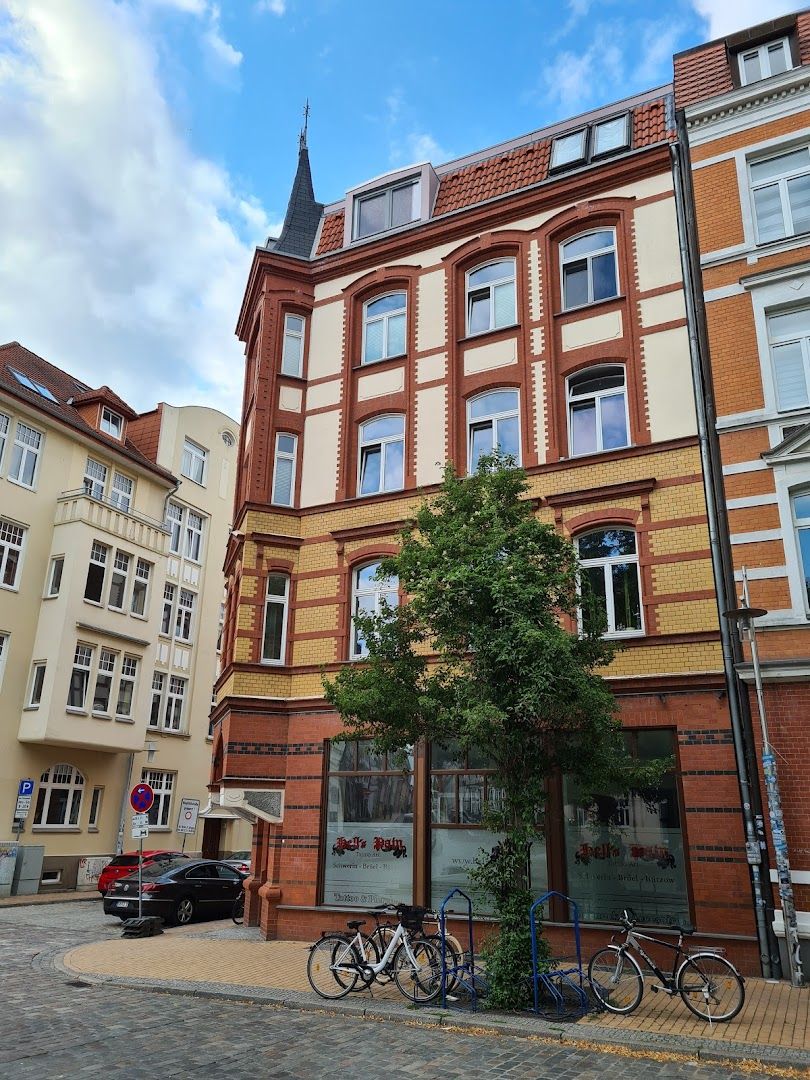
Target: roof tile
pixel 701 74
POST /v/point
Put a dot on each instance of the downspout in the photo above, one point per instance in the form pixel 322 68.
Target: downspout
pixel 722 564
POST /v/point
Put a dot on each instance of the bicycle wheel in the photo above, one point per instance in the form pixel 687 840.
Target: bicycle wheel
pixel 711 987
pixel 616 979
pixel 419 979
pixel 332 967
pixel 454 956
pixel 238 910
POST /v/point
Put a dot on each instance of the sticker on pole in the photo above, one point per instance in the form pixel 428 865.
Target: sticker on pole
pixel 141 798
pixel 187 818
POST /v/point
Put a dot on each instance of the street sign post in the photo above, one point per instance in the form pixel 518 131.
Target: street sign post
pixel 25 792
pixel 141 799
pixel 187 818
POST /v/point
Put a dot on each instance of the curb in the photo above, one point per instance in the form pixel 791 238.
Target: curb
pixel 6 906
pixel 644 1043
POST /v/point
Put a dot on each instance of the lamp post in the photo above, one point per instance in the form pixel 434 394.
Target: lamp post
pixel 744 616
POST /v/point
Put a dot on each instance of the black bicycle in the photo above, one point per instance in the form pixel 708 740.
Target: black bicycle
pixel 709 985
pixel 238 909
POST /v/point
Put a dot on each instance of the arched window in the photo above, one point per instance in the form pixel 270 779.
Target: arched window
pixel 276 604
pixel 491 296
pixel 369 597
pixel 801 518
pixel 384 327
pixel 609 560
pixel 381 465
pixel 59 799
pixel 492 424
pixel 589 268
pixel 597 410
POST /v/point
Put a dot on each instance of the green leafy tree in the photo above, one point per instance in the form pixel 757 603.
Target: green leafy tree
pixel 481 654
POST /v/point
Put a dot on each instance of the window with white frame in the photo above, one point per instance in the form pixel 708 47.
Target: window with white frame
pixel 5 642
pixel 12 538
pixel 96 569
pixel 173 716
pixel 158 684
pixel 491 296
pixel 274 638
pixel 780 188
pixel 121 492
pixel 381 465
pixel 194 535
pixel 589 268
pixel 95 807
pixel 763 61
pixel 801 520
pixel 284 469
pixel 55 570
pixel 104 681
pixel 492 425
pixel 118 580
pixel 384 327
pixel 80 677
pixel 292 349
pixel 597 410
pixel 112 423
pixel 126 687
pixel 789 337
pixel 169 592
pixel 185 615
pixel 36 684
pixel 5 421
pixel 174 523
pixel 25 455
pixel 194 461
pixel 161 783
pixel 140 587
pixel 386 209
pixel 95 478
pixel 610 578
pixel 370 596
pixel 59 797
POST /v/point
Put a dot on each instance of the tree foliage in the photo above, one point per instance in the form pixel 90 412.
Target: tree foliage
pixel 485 652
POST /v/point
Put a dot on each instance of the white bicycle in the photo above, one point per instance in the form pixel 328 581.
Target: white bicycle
pixel 337 962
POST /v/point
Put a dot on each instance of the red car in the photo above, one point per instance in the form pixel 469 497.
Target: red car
pixel 125 864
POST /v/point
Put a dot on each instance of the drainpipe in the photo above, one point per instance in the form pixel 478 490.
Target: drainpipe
pixel 722 564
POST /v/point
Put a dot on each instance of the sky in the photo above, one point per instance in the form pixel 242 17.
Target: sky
pixel 147 146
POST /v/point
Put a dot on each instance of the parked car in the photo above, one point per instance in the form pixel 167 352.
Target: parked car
pixel 177 891
pixel 123 865
pixel 240 860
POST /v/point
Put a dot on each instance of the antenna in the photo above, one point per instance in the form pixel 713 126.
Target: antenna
pixel 302 138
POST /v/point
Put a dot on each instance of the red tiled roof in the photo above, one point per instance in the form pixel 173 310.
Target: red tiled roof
pixel 108 396
pixel 331 233
pixel 650 123
pixel 803 34
pixel 63 387
pixel 701 74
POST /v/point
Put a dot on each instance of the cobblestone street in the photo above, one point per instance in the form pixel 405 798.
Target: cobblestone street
pixel 56 1029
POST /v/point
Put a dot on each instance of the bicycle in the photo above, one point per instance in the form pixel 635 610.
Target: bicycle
pixel 383 933
pixel 337 962
pixel 238 909
pixel 709 985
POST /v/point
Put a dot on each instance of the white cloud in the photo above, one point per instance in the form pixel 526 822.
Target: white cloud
pixel 275 7
pixel 124 254
pixel 221 51
pixel 726 16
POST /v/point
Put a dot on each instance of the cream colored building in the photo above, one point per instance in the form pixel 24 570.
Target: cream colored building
pixel 113 527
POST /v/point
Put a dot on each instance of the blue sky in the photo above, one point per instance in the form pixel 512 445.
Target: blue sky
pixel 146 146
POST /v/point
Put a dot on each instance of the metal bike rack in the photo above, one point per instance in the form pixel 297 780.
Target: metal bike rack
pixel 570 979
pixel 464 973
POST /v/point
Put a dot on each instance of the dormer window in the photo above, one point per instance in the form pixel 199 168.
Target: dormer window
pixel 569 149
pixel 770 58
pixel 598 139
pixel 610 135
pixel 112 423
pixel 387 209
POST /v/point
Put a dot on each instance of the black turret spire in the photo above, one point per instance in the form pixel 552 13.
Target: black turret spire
pixel 303 212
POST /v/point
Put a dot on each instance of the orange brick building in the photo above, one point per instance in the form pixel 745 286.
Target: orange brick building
pixel 531 297
pixel 744 104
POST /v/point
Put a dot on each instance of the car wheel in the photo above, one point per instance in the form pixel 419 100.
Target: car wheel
pixel 184 911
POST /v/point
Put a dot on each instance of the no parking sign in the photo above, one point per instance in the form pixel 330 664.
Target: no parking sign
pixel 187 818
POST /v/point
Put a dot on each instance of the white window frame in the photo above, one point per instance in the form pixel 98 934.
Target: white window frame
pixel 36 684
pixel 167 611
pixel 95 478
pixel 83 658
pixel 141 577
pixel 490 287
pixel 156 701
pixel 763 52
pixel 589 259
pixel 804 344
pixel 781 180
pixel 174 523
pixel 119 573
pixel 5 645
pixel 377 589
pixel 195 462
pixel 387 192
pixel 56 569
pixel 175 703
pixel 493 419
pixel 385 319
pixel 184 616
pixel 284 455
pixel 59 777
pixel 12 540
pixel 364 447
pixel 162 783
pixel 193 535
pixel 121 492
pixel 28 442
pixel 5 424
pixel 596 396
pixel 99 556
pixel 105 669
pixel 112 423
pixel 96 799
pixel 282 600
pixel 127 680
pixel 606 563
pixel 292 370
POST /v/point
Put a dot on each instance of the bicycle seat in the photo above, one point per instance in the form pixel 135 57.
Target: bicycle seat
pixel 355 924
pixel 684 928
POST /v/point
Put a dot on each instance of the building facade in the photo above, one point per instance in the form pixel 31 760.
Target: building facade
pixel 528 297
pixel 112 528
pixel 745 103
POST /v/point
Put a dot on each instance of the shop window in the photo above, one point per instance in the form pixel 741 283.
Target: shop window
pixel 276 607
pixel 610 577
pixel 589 269
pixel 597 411
pixel 59 798
pixel 626 850
pixel 382 455
pixel 384 327
pixel 370 596
pixel 780 187
pixel 491 296
pixel 368 856
pixel 492 424
pixel 292 349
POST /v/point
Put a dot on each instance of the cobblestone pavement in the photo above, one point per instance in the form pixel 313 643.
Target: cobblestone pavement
pixel 53 1029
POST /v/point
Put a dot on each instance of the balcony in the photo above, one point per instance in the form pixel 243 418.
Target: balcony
pixel 103 515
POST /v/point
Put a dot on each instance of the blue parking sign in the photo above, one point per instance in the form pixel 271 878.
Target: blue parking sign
pixel 26 788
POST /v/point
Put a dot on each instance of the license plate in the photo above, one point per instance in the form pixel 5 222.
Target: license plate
pixel 122 903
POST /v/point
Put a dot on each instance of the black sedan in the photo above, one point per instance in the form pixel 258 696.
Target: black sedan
pixel 177 891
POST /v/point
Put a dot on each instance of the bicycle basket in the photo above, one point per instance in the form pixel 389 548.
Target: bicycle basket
pixel 411 917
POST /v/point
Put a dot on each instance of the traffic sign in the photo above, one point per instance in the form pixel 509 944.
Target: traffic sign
pixel 23 807
pixel 140 832
pixel 141 798
pixel 139 820
pixel 187 818
pixel 26 788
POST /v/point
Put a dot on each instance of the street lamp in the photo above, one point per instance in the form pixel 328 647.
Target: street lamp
pixel 744 616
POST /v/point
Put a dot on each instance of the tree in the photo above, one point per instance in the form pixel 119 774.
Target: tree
pixel 480 653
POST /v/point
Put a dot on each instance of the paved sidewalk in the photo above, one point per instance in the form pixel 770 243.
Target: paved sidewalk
pixel 235 963
pixel 49 898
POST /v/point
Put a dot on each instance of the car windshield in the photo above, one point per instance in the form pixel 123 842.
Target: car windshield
pixel 158 869
pixel 124 860
pixel 245 855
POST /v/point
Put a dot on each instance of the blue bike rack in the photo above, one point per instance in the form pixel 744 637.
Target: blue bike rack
pixel 464 973
pixel 572 978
